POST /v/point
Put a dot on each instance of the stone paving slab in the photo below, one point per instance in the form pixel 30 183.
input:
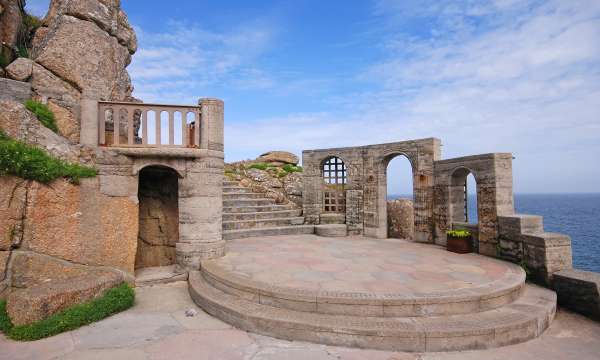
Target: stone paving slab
pixel 570 337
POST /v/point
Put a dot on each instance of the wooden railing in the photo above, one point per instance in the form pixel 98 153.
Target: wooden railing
pixel 126 124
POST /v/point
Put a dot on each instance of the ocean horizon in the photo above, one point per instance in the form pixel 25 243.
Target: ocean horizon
pixel 573 214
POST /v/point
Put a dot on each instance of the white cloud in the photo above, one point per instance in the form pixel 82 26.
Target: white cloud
pixel 171 66
pixel 525 79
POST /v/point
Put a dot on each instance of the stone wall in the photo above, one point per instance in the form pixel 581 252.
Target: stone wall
pixel 401 219
pixel 159 218
pixel 367 172
pixel 493 175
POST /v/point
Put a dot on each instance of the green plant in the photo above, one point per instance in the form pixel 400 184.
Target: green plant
pixel 22 51
pixel 43 113
pixel 459 233
pixel 31 163
pixel 525 268
pixel 292 169
pixel 260 166
pixel 114 300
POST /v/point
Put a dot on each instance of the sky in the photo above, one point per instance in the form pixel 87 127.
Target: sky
pixel 520 76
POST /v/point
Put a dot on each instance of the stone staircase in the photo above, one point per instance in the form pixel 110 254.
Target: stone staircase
pixel 248 214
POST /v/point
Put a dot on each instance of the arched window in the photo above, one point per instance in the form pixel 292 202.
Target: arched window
pixel 335 177
pixel 334 171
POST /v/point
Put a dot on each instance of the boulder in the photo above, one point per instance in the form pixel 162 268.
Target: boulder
pixel 106 14
pixel 13 196
pixel 401 219
pixel 20 69
pixel 39 302
pixel 97 69
pixel 279 158
pixel 19 123
pixel 11 19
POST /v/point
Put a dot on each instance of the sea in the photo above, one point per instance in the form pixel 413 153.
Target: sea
pixel 577 215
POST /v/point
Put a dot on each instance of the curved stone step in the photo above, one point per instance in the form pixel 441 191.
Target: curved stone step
pixel 520 321
pixel 263 223
pixel 247 202
pixel 256 208
pixel 236 190
pixel 273 231
pixel 477 299
pixel 261 215
pixel 243 196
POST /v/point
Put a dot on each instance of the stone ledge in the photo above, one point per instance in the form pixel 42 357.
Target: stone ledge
pixel 39 302
pixel 165 152
pixel 579 291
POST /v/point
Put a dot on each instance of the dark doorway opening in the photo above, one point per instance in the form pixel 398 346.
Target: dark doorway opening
pixel 158 217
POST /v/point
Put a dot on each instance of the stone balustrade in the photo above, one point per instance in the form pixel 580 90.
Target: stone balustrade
pixel 124 124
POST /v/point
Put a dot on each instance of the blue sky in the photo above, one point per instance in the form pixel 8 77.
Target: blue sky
pixel 484 76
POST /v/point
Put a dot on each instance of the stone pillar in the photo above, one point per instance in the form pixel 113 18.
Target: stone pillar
pixel 211 125
pixel 354 212
pixel 89 123
pixel 201 194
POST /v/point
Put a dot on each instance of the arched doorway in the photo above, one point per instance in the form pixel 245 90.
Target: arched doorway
pixel 464 204
pixel 158 217
pixel 400 198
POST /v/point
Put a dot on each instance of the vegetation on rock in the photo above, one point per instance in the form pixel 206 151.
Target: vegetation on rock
pixel 31 163
pixel 459 233
pixel 43 113
pixel 114 300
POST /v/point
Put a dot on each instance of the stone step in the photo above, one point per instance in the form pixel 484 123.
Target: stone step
pixel 230 183
pixel 235 190
pixel 240 203
pixel 368 304
pixel 256 208
pixel 272 231
pixel 243 196
pixel 263 223
pixel 520 321
pixel 261 215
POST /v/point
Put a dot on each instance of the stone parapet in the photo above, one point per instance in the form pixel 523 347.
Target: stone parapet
pixel 579 291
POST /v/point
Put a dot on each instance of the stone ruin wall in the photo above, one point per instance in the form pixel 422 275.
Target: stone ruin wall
pixel 438 187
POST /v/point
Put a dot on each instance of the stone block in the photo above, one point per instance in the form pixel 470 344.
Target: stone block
pixel 40 301
pixel 331 230
pixel 579 291
pixel 333 218
pixel 119 186
pixel 515 225
pixel 20 69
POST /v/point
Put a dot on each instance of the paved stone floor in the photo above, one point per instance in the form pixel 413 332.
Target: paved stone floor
pixel 157 328
pixel 362 265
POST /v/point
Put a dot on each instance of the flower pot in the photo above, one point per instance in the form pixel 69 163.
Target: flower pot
pixel 460 245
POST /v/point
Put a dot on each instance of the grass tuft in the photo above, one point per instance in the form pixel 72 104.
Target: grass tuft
pixel 261 166
pixel 114 300
pixel 43 113
pixel 31 163
pixel 292 169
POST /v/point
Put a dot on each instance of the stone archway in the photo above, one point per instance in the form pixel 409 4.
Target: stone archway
pixel 158 217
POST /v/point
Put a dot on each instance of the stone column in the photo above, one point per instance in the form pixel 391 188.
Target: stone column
pixel 88 134
pixel 201 194
pixel 211 124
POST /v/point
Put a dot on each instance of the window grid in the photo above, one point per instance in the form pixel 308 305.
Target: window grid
pixel 334 201
pixel 334 171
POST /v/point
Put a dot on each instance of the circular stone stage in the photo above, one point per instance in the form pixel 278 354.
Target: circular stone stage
pixel 383 294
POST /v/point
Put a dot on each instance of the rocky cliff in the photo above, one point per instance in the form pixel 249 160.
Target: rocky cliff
pixel 82 48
